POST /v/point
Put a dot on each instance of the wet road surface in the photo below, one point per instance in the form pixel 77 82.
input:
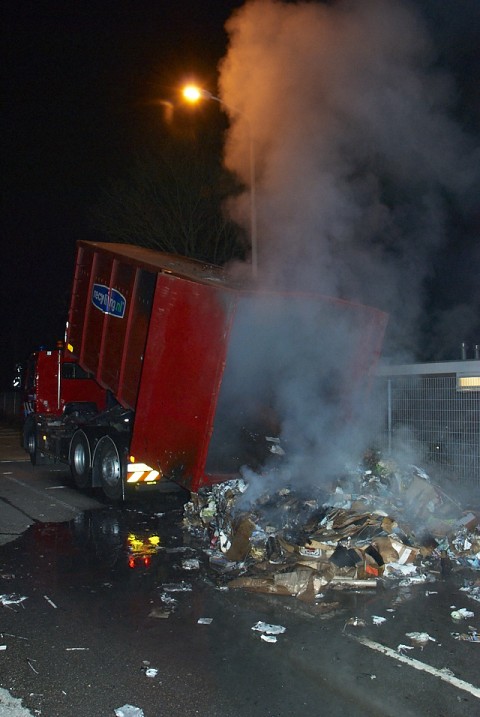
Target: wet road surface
pixel 98 613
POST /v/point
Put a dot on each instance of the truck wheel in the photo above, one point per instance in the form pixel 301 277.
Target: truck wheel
pixel 80 460
pixel 107 466
pixel 31 443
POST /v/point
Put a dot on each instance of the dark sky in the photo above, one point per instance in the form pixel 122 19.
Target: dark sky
pixel 78 79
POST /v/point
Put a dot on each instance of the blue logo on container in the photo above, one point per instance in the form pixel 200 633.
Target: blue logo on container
pixel 109 301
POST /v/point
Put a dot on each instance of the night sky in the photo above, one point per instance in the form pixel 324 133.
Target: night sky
pixel 79 84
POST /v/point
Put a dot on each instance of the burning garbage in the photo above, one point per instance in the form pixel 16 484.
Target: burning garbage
pixel 377 523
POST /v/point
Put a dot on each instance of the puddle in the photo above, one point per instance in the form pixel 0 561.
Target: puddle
pixel 109 548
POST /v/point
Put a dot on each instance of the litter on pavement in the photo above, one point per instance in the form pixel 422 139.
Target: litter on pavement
pixel 420 639
pixel 129 711
pixel 378 523
pixel 268 629
pixel 462 614
pixel 11 599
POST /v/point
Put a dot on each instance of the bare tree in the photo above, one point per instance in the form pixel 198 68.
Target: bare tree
pixel 171 199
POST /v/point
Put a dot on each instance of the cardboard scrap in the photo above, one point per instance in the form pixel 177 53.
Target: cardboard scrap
pixel 367 529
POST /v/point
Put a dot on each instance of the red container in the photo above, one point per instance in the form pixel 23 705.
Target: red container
pixel 208 365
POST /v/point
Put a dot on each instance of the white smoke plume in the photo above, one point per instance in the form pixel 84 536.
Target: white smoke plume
pixel 356 151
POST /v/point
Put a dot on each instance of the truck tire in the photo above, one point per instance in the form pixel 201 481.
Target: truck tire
pixel 31 444
pixel 81 460
pixel 108 468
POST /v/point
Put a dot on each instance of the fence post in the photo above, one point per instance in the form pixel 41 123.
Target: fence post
pixel 389 414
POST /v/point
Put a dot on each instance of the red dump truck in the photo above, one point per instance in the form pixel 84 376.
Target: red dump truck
pixel 171 370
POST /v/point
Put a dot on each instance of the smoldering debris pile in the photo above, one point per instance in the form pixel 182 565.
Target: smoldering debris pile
pixel 376 524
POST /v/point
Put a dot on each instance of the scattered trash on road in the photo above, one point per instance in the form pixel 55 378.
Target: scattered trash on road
pixel 29 663
pixel 11 599
pixel 50 602
pixel 268 632
pixel 355 622
pixel 470 636
pixel 375 524
pixel 205 620
pixel 177 587
pixel 268 638
pixel 472 591
pixel 129 711
pixel 462 614
pixel 191 564
pixel 401 649
pixel 420 639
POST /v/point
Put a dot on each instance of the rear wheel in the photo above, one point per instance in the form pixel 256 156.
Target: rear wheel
pixel 108 468
pixel 80 460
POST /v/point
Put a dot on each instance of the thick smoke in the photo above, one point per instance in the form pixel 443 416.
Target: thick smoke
pixel 357 159
pixel 356 152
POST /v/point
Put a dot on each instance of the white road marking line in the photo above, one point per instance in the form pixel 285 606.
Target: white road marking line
pixel 16 460
pixel 445 676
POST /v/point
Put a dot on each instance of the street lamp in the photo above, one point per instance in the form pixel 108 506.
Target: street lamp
pixel 193 94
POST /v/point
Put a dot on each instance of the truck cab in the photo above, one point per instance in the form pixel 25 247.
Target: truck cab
pixel 54 387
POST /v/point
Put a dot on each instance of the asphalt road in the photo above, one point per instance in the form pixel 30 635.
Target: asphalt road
pixel 90 588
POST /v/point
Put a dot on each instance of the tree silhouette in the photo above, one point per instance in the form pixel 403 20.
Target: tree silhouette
pixel 170 199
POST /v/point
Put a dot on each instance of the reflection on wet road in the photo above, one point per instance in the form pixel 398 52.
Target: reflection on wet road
pixel 114 595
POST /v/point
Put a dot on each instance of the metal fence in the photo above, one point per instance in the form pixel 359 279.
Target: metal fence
pixel 435 418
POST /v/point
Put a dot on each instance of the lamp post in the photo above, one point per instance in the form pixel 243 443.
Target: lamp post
pixel 193 94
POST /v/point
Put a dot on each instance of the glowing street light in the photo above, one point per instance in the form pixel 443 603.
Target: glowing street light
pixel 193 94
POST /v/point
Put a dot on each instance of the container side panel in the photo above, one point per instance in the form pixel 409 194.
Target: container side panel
pixel 120 290
pixel 94 316
pixel 136 336
pixel 80 300
pixel 181 376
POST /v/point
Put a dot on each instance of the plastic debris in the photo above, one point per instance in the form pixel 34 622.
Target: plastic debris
pixel 151 672
pixel 11 599
pixel 129 711
pixel 470 636
pixel 462 614
pixel 378 620
pixel 401 649
pixel 29 663
pixel 177 587
pixel 50 602
pixel 191 564
pixel 268 629
pixel 420 639
pixel 268 638
pixel 355 622
pixel 205 620
pixel 472 591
